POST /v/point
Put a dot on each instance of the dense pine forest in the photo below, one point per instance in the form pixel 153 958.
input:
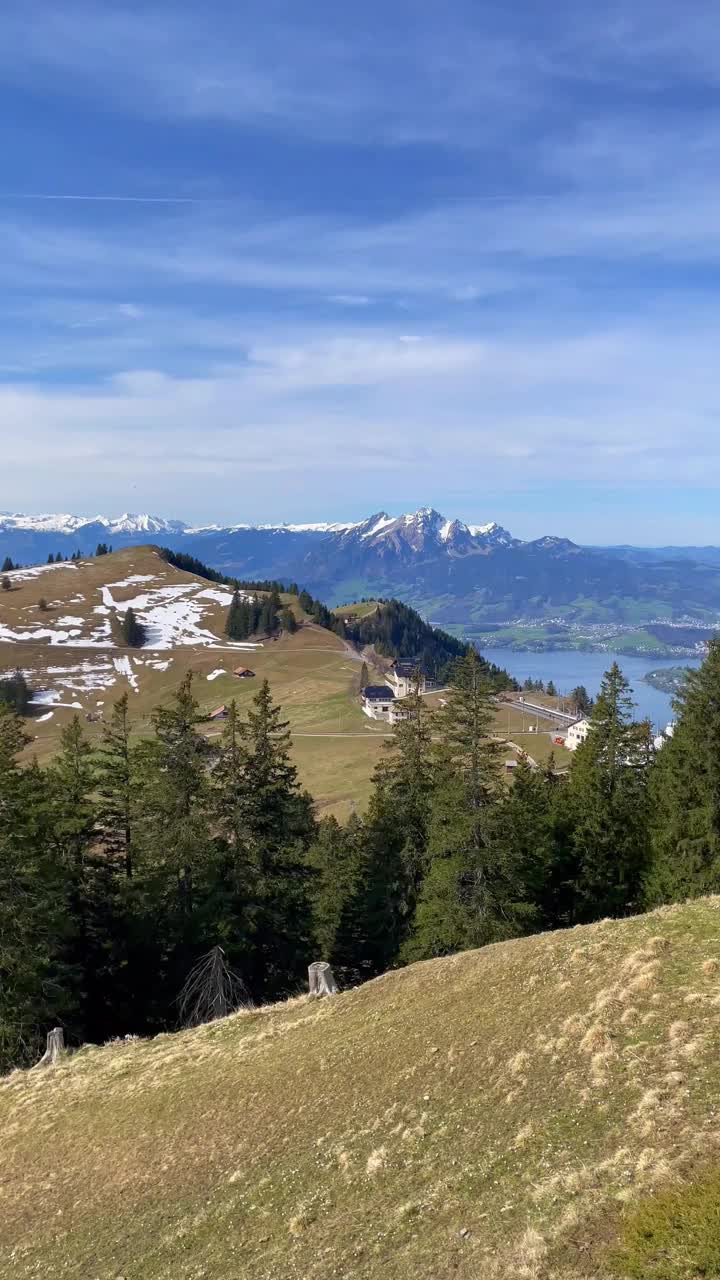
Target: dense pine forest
pixel 121 867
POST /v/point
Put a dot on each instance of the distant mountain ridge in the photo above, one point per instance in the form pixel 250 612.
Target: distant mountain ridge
pixel 469 577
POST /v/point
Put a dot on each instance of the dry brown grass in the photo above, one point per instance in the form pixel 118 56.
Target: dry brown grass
pixel 455 1119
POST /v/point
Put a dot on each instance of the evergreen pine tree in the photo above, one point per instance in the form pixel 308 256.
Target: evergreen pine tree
pixel 287 621
pixel 467 897
pixel 364 677
pixel 15 692
pixel 133 632
pixel 550 689
pixel 334 858
pixel 7 565
pixel 174 850
pixel 279 827
pixel 70 785
pixel 606 798
pixel 520 838
pixel 116 785
pixel 235 888
pixel 175 833
pixel 33 907
pixel 685 794
pixel 581 700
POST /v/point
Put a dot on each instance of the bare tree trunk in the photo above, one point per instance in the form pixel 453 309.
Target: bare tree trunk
pixel 55 1046
pixel 321 979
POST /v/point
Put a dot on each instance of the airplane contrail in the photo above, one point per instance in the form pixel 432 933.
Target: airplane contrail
pixel 34 195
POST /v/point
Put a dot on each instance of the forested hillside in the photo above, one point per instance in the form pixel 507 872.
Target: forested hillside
pixel 137 855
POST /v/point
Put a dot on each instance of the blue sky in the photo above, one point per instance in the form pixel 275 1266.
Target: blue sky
pixel 277 261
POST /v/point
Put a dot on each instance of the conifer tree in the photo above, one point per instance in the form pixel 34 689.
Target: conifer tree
pixel 70 786
pixel 581 700
pixel 174 850
pixel 334 858
pixel 175 834
pixel 133 632
pixel 235 625
pixel 685 794
pixel 468 897
pixel 33 906
pixel 377 916
pixel 373 918
pixel 364 677
pixel 116 786
pixel 521 836
pixel 279 827
pixel 7 565
pixel 606 797
pixel 15 692
pixel 287 621
pixel 235 887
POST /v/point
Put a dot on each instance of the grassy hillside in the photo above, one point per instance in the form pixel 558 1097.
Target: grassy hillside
pixel 498 1113
pixel 74 658
pixel 80 665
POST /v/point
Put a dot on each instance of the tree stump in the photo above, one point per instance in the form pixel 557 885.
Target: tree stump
pixel 55 1046
pixel 321 979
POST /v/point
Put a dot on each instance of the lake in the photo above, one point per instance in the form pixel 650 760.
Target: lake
pixel 567 669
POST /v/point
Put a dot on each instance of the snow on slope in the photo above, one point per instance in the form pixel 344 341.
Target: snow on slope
pixel 172 614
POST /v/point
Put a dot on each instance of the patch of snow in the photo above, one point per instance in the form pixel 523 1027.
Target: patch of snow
pixel 122 666
pixel 70 621
pixel 20 575
pixel 160 666
pixel 168 616
pixel 48 716
pixel 44 696
pixel 133 578
pixel 214 674
pixel 381 524
pixel 237 644
pixel 222 597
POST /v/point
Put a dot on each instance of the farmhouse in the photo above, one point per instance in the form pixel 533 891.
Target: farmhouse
pixel 576 734
pixel 376 701
pixel 220 713
pixel 243 673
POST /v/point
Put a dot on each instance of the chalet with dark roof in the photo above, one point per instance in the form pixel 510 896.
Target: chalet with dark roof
pixel 376 701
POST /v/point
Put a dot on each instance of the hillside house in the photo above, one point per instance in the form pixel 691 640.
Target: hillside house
pixel 401 675
pixel 576 734
pixel 397 711
pixel 220 713
pixel 376 701
pixel 243 673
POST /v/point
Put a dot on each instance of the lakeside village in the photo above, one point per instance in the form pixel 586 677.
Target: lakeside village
pixel 566 727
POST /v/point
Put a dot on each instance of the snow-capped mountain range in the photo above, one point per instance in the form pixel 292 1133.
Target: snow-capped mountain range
pixel 459 575
pixel 418 527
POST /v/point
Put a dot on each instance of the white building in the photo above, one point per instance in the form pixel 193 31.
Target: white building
pixel 401 678
pixel 376 701
pixel 576 734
